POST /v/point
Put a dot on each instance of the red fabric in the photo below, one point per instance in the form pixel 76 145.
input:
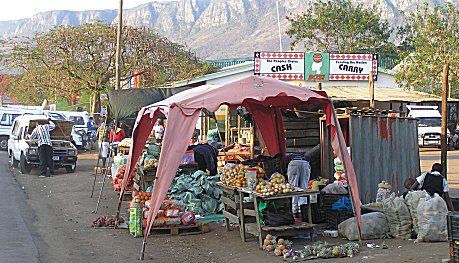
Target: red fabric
pixel 339 146
pixel 118 137
pixel 141 135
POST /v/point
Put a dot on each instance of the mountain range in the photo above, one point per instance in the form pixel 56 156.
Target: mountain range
pixel 215 29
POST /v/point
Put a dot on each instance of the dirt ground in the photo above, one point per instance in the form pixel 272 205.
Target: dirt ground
pixel 62 217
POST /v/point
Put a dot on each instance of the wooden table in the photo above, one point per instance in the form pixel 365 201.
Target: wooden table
pixel 286 230
pixel 231 206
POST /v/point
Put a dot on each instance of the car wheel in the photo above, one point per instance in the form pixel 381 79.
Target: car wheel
pixel 70 168
pixel 3 143
pixel 13 162
pixel 24 166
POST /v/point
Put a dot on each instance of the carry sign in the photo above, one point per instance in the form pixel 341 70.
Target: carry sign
pixel 353 66
pixel 280 65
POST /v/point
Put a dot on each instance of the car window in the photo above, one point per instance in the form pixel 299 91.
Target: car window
pixel 77 120
pixel 8 118
pixel 15 128
pixel 56 116
pixel 20 133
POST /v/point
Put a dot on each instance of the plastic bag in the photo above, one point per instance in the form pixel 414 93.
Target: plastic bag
pixel 398 217
pixel 432 224
pixel 335 189
pixel 172 212
pixel 343 204
pixel 188 157
pixel 412 201
pixel 374 226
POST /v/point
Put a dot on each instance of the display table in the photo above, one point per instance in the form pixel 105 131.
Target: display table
pixel 294 229
pixel 232 203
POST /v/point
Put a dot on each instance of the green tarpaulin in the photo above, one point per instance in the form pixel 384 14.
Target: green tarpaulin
pixel 126 103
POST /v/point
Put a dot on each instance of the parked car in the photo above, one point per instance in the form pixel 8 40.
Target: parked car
pixel 7 117
pixel 23 152
pixel 429 125
pixel 79 119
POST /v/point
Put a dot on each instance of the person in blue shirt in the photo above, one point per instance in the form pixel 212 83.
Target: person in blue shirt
pixel 91 125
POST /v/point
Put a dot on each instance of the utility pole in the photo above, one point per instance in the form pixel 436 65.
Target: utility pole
pixel 118 44
pixel 444 120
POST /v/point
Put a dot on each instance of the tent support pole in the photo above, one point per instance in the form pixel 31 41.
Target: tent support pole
pixel 279 143
pixel 104 175
pixel 98 161
pixel 344 167
pixel 142 251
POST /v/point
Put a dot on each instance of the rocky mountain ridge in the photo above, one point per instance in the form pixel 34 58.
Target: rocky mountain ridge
pixel 215 29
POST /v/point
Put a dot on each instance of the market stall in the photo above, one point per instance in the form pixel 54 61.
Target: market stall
pixel 262 97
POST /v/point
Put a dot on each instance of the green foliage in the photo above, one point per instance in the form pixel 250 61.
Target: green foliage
pixel 339 26
pixel 73 60
pixel 433 33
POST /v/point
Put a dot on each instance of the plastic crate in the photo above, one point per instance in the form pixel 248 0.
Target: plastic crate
pixel 454 251
pixel 334 218
pixel 453 226
pixel 318 215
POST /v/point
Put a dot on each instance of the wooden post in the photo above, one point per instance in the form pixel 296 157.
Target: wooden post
pixel 227 126
pixel 319 86
pixel 372 91
pixel 444 120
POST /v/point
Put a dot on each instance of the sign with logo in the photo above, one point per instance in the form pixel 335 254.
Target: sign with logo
pixel 279 65
pixel 316 66
pixel 353 66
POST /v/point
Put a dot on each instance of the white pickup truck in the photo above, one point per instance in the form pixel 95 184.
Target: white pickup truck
pixel 23 152
pixel 429 125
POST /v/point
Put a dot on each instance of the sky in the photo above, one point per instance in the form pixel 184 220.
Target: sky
pixel 17 9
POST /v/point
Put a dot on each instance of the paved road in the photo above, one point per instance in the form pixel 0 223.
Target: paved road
pixel 16 242
pixel 430 156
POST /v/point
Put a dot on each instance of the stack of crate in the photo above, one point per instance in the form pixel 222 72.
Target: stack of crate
pixel 453 236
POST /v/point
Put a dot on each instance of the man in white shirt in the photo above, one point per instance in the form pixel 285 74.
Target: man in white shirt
pixel 158 130
pixel 45 147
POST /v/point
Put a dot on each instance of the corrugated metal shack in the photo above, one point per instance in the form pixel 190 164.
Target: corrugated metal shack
pixel 382 149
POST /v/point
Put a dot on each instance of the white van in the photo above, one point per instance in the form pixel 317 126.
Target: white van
pixel 79 119
pixel 429 125
pixel 7 117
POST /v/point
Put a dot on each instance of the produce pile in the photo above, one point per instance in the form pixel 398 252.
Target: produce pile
pixel 126 142
pixel 106 221
pixel 234 175
pixel 284 248
pixel 150 158
pixel 237 148
pixel 324 250
pixel 276 185
pixel 170 213
pixel 280 247
pixel 118 179
pixel 198 192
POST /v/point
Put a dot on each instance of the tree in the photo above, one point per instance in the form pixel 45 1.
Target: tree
pixel 67 60
pixel 433 34
pixel 339 26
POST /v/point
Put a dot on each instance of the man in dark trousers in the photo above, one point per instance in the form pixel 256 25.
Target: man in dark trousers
pixel 434 183
pixel 45 148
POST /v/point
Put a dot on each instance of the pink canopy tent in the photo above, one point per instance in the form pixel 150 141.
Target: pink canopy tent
pixel 263 97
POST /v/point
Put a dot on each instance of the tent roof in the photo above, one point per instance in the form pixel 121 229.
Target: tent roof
pixel 126 103
pixel 259 90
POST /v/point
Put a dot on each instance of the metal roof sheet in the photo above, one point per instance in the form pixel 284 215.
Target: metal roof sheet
pixel 381 94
